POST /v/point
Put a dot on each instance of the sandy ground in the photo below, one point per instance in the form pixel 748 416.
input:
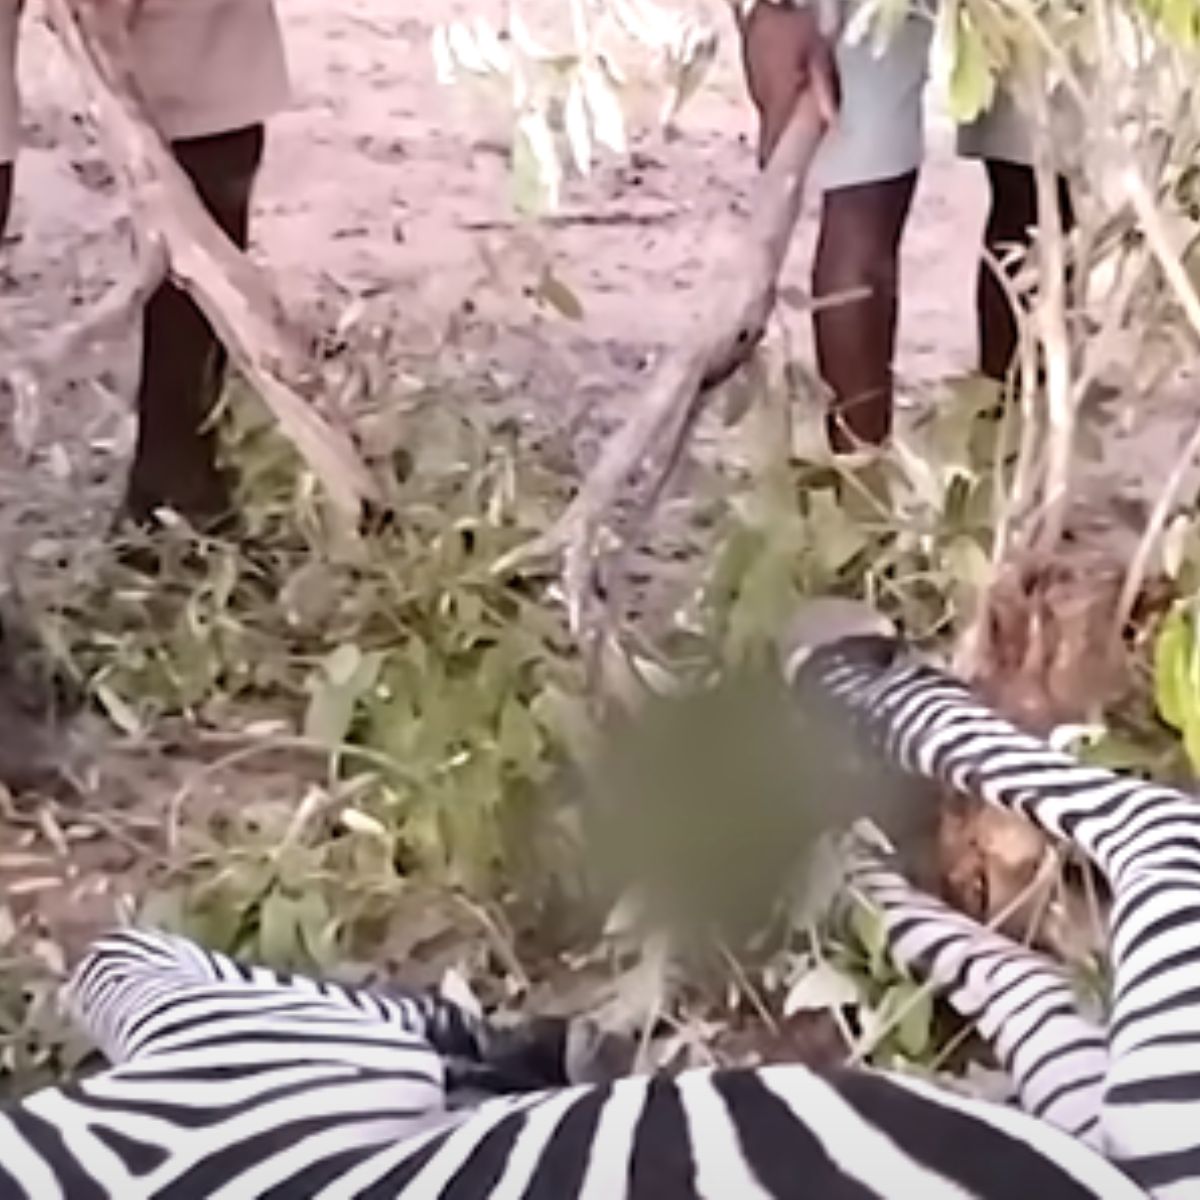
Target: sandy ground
pixel 379 183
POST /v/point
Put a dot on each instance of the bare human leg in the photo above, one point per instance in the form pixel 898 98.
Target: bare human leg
pixel 183 363
pixel 6 188
pixel 1012 218
pixel 859 248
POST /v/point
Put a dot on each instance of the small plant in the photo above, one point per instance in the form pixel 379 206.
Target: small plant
pixel 37 1043
pixel 438 691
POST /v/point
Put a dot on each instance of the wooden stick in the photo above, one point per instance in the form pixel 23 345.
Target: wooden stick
pixel 742 284
pixel 230 290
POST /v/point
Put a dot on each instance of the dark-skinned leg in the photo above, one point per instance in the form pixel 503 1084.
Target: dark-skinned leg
pixel 6 189
pixel 859 248
pixel 183 362
pixel 1012 218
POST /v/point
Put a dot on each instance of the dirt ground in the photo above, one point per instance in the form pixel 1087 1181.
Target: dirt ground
pixel 379 183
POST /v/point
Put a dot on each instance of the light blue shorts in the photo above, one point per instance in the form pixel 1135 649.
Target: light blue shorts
pixel 881 129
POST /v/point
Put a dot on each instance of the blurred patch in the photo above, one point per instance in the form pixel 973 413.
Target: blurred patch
pixel 710 803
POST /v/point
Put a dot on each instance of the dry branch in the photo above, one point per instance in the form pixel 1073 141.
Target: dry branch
pixel 232 292
pixel 742 285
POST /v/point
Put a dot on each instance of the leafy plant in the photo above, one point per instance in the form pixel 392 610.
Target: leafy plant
pixel 1177 677
pixel 437 687
pixel 909 529
pixel 37 1043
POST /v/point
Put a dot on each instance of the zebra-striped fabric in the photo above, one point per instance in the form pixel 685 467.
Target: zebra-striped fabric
pixel 771 1133
pixel 284 1091
pixel 1022 1003
pixel 1146 840
pixel 138 993
pixel 220 1067
pixel 236 1082
pixel 233 1082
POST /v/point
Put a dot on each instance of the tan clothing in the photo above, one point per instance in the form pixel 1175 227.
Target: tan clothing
pixel 204 66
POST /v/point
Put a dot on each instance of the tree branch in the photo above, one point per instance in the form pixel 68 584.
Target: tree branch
pixel 232 292
pixel 743 284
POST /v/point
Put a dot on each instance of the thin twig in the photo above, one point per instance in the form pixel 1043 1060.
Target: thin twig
pixel 1160 514
pixel 1016 503
pixel 742 980
pixel 501 940
pixel 1056 345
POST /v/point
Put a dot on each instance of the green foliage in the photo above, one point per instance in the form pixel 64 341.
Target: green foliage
pixel 851 972
pixel 909 530
pixel 1178 19
pixel 37 1044
pixel 297 888
pixel 433 684
pixel 1177 677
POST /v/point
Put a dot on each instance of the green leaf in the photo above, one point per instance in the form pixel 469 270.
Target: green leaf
pixel 536 170
pixel 820 988
pixel 317 929
pixel 341 665
pixel 1177 679
pixel 123 716
pixel 836 537
pixel 915 1028
pixel 279 930
pixel 345 677
pixel 971 86
pixel 555 293
pixel 216 920
pixel 870 929
pixel 1173 655
pixel 1181 20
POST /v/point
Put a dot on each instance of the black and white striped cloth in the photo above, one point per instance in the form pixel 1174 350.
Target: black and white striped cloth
pixel 235 1082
